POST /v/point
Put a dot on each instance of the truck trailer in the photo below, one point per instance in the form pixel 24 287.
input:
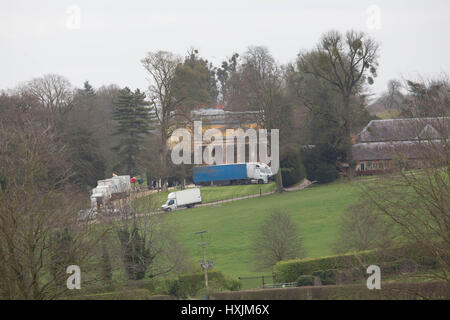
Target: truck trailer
pixel 107 190
pixel 236 173
pixel 185 198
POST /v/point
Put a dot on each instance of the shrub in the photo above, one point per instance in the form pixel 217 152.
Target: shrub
pixel 153 285
pixel 189 285
pixel 318 165
pixel 391 261
pixel 288 271
pixel 324 172
pixel 292 169
pixel 327 277
pixel 393 291
pixel 307 280
pixel 137 294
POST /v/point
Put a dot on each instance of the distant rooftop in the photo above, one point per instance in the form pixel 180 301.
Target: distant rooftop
pixel 405 129
pixel 383 139
pixel 221 116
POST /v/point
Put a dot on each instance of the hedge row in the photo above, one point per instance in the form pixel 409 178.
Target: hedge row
pixel 389 291
pixel 341 276
pixel 137 294
pixel 190 285
pixel 289 271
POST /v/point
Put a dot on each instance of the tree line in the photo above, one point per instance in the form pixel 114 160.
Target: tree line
pixel 319 99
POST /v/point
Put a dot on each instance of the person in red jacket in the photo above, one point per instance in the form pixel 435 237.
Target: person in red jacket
pixel 133 180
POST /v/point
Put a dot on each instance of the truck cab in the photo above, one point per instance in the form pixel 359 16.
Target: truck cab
pixel 259 172
pixel 265 172
pixel 171 203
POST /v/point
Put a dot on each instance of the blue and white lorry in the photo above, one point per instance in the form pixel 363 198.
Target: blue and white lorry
pixel 235 173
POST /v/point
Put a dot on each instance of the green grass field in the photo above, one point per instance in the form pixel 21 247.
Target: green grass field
pixel 232 226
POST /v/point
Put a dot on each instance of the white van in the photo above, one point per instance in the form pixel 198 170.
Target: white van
pixel 185 198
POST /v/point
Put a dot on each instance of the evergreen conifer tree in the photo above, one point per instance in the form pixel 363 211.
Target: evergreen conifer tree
pixel 133 116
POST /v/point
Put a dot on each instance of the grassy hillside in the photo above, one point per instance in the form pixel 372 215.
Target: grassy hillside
pixel 231 226
pixel 211 194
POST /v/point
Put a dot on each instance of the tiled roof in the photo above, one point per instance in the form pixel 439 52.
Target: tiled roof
pixel 405 129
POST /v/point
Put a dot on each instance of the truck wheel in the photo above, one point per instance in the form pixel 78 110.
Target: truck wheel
pixel 260 181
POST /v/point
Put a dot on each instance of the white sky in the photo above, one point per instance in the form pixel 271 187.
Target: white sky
pixel 114 35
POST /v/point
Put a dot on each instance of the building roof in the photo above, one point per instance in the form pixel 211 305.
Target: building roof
pixel 384 139
pixel 214 116
pixel 411 129
pixel 371 151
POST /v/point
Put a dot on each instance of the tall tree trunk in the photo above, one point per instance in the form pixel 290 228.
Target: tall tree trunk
pixel 163 160
pixel 279 181
pixel 348 131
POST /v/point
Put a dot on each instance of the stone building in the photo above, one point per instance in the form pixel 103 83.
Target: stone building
pixel 383 141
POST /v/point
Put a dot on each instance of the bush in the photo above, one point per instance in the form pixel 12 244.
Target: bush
pixel 319 167
pixel 289 271
pixel 190 285
pixel 292 169
pixel 392 291
pixel 327 277
pixel 323 173
pixel 137 294
pixel 390 261
pixel 307 280
pixel 153 285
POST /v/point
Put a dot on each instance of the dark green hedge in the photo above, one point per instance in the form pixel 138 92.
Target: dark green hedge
pixel 190 285
pixel 351 265
pixel 137 294
pixel 289 271
pixel 391 291
pixel 305 281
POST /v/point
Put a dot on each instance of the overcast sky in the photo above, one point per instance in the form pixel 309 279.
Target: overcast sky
pixel 103 41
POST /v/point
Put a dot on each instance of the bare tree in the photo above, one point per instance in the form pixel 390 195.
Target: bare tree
pixel 53 91
pixel 161 67
pixel 259 85
pixel 346 63
pixel 147 242
pixel 361 228
pixel 426 98
pixel 278 239
pixel 40 235
pixel 393 96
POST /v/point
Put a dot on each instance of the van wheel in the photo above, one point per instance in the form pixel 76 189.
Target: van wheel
pixel 169 209
pixel 260 181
